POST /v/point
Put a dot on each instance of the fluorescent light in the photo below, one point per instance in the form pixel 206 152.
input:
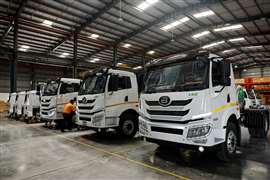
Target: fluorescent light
pixel 237 39
pixel 22 49
pixel 228 50
pixel 253 47
pixel 175 23
pixel 94 36
pixel 47 23
pixel 126 45
pixel 95 60
pixel 212 44
pixel 138 67
pixel 226 28
pixel 151 52
pixel 204 14
pixel 146 4
pixel 25 47
pixel 63 55
pixel 235 66
pixel 244 70
pixel 119 64
pixel 200 34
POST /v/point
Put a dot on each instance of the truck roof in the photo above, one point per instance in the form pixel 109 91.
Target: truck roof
pixel 70 80
pixel 181 57
pixel 129 73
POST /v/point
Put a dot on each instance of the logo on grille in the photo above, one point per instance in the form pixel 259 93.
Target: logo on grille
pixel 164 101
pixel 84 100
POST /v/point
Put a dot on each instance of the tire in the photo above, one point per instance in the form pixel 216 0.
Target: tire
pixel 227 149
pixel 128 126
pixel 260 132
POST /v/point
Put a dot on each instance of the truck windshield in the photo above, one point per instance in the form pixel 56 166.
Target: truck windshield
pixel 94 84
pixel 185 76
pixel 51 88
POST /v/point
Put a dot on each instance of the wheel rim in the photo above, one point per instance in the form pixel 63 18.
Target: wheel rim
pixel 128 127
pixel 231 142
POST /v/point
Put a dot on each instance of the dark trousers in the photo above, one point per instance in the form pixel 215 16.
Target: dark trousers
pixel 67 121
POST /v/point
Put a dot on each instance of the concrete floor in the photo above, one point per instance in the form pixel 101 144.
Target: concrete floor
pixel 34 152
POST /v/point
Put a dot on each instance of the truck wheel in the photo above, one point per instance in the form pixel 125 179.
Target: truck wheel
pixel 228 148
pixel 260 132
pixel 128 126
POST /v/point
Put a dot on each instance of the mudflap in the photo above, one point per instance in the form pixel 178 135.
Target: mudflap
pixel 257 122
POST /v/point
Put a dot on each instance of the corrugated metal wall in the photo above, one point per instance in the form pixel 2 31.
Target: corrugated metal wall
pixel 254 72
pixel 25 73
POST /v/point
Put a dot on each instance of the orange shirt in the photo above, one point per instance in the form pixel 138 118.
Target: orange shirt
pixel 69 108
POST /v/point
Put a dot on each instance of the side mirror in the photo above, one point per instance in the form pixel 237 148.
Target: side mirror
pixel 226 73
pixel 113 84
pixel 38 93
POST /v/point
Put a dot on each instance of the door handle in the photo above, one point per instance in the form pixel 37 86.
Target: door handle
pixel 126 99
pixel 228 98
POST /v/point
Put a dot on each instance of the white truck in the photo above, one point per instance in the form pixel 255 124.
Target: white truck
pixel 32 105
pixel 20 104
pixel 251 99
pixel 12 104
pixel 108 98
pixel 56 94
pixel 192 102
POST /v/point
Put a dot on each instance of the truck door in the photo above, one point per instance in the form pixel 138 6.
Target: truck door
pixel 219 93
pixel 116 99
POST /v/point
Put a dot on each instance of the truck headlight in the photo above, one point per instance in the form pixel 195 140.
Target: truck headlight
pixel 199 131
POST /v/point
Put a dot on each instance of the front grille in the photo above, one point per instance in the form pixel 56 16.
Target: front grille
pixel 175 122
pixel 85 119
pixel 43 112
pixel 173 103
pixel 167 130
pixel 168 113
pixel 45 105
pixel 89 101
pixel 85 107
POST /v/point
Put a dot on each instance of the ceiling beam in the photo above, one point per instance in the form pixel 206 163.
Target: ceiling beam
pixel 10 26
pixel 88 21
pixel 202 28
pixel 175 13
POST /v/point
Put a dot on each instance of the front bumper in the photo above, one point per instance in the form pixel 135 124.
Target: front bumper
pixel 168 132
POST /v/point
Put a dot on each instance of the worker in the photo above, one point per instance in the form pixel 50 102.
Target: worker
pixel 241 98
pixel 69 112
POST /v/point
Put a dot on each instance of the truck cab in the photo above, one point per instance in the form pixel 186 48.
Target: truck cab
pixel 108 98
pixel 32 104
pixel 191 101
pixel 251 99
pixel 20 104
pixel 12 104
pixel 56 94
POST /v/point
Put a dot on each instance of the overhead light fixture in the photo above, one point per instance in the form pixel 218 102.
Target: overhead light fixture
pixel 146 4
pixel 63 55
pixel 213 44
pixel 245 70
pixel 95 60
pixel 126 45
pixel 237 39
pixel 119 64
pixel 138 67
pixel 151 52
pixel 24 48
pixel 94 36
pixel 47 23
pixel 254 47
pixel 227 28
pixel 204 14
pixel 195 36
pixel 228 50
pixel 235 66
pixel 175 23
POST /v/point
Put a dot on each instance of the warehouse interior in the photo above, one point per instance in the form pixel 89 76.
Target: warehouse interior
pixel 55 42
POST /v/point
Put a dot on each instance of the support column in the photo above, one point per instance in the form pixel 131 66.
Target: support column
pixel 14 59
pixel 261 71
pixel 75 49
pixel 143 61
pixel 33 78
pixel 114 56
